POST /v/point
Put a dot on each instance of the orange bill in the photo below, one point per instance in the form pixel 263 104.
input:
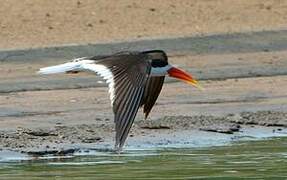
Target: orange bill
pixel 179 74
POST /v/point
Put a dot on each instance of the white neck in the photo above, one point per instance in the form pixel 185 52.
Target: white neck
pixel 160 71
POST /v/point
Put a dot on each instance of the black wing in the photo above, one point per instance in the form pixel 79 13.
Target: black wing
pixel 130 72
pixel 152 91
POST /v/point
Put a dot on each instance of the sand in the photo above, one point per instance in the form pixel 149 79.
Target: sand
pixel 34 23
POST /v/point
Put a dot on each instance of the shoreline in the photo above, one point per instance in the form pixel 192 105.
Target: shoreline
pixel 199 140
pixel 167 132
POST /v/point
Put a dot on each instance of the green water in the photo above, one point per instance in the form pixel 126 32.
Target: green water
pixel 264 159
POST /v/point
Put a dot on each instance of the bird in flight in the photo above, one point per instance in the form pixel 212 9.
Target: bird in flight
pixel 135 80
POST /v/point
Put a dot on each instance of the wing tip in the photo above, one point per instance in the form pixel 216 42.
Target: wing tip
pixel 146 113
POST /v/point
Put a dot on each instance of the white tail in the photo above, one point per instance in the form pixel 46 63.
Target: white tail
pixel 83 64
pixel 75 65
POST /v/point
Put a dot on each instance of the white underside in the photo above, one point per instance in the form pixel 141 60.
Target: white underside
pixel 106 74
pixel 83 64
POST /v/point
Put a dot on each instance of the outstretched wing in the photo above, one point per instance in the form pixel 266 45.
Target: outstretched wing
pixel 126 75
pixel 152 91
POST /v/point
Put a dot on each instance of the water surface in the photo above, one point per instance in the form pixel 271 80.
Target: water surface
pixel 263 159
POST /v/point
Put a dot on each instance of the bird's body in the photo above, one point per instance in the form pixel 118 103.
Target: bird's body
pixel 135 80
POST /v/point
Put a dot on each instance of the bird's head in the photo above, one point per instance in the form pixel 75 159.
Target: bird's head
pixel 161 67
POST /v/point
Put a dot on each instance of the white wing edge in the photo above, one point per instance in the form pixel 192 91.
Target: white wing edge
pixel 83 64
pixel 106 74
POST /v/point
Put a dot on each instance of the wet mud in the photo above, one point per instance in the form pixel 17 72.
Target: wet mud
pixel 61 140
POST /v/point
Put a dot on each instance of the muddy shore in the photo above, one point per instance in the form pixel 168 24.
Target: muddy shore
pixel 63 139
